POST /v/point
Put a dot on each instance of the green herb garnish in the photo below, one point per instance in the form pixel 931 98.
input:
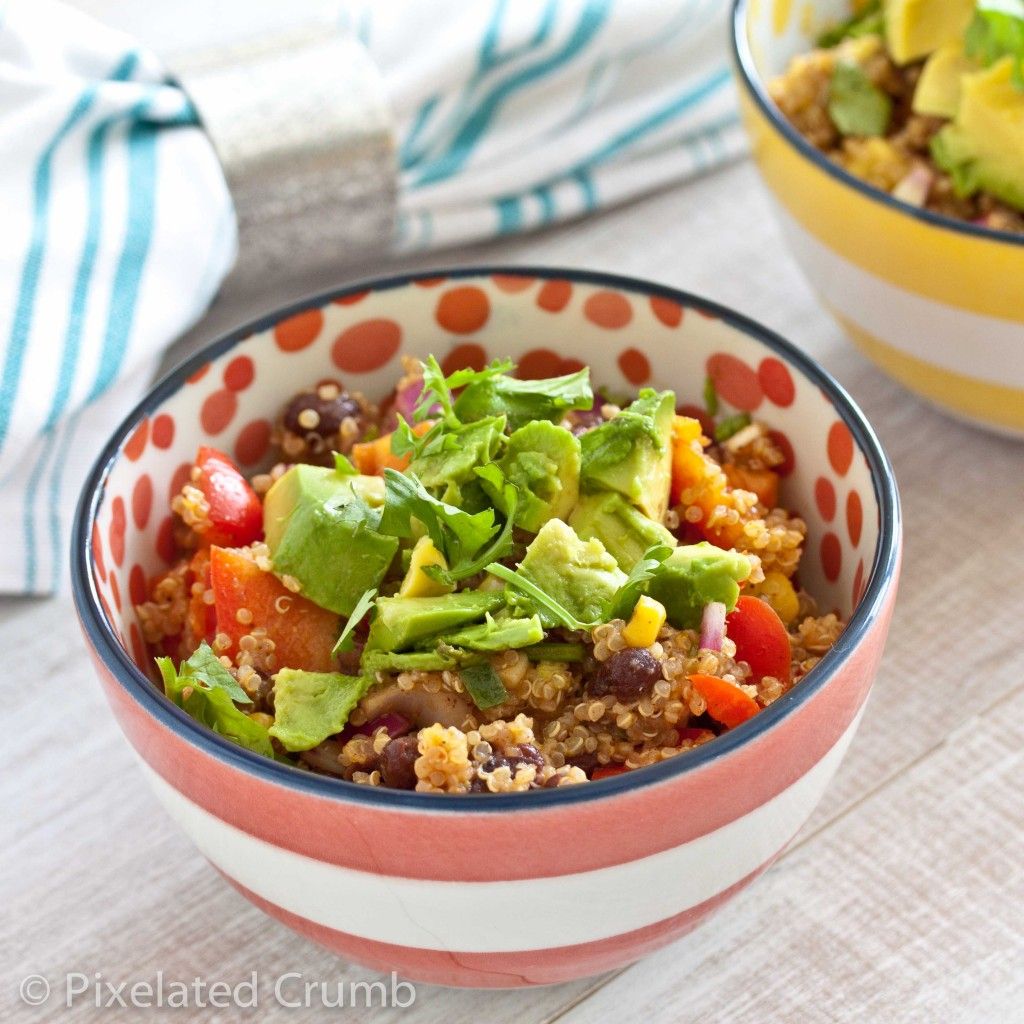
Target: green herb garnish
pixel 856 105
pixel 629 593
pixel 710 396
pixel 732 425
pixel 484 685
pixel 997 31
pixel 868 22
pixel 555 652
pixel 544 600
pixel 362 608
pixel 342 466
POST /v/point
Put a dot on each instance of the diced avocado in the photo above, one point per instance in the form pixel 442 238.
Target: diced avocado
pixel 543 461
pixel 938 89
pixel 322 531
pixel 310 706
pixel 411 661
pixel 984 147
pixel 579 574
pixel 694 576
pixel 624 530
pixel 497 635
pixel 632 453
pixel 402 622
pixel 416 582
pixel 464 449
pixel 916 28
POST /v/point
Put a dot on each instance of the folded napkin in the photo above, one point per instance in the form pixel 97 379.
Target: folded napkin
pixel 119 226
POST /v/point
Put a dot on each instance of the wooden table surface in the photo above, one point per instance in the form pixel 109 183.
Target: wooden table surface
pixel 901 901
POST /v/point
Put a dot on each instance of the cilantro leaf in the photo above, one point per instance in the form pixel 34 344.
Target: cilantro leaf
pixel 499 548
pixel 342 466
pixel 541 598
pixel 710 396
pixel 522 401
pixel 732 425
pixel 856 105
pixel 484 685
pixel 363 606
pixel 208 670
pixel 629 593
pixel 435 392
pixel 997 31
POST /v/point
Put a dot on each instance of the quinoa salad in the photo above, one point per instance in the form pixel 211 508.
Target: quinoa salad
pixel 923 99
pixel 486 584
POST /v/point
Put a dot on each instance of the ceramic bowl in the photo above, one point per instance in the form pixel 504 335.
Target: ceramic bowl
pixel 517 889
pixel 935 302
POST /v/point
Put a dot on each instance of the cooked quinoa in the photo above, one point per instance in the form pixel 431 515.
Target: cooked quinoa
pixel 906 157
pixel 514 690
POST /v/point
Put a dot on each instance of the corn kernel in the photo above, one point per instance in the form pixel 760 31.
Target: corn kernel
pixel 776 589
pixel 417 583
pixel 644 624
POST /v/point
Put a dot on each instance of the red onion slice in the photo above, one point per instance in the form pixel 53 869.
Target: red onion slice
pixel 712 626
pixel 914 188
pixel 395 724
pixel 407 397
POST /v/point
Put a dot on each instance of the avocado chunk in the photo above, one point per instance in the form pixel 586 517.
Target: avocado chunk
pixel 632 453
pixel 402 622
pixel 938 89
pixel 410 661
pixel 984 147
pixel 543 461
pixel 694 576
pixel 624 530
pixel 310 706
pixel 465 448
pixel 321 530
pixel 579 574
pixel 916 28
pixel 497 634
pixel 417 582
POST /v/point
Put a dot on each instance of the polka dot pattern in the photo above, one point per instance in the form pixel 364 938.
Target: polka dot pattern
pixel 136 444
pixel 776 382
pixel 611 310
pixel 668 312
pixel 239 373
pixel 137 584
pixel 840 447
pixel 469 356
pixel 463 310
pixel 366 346
pixel 142 501
pixel 163 431
pixel 854 517
pixel 554 296
pixel 299 331
pixel 350 300
pixel 635 366
pixel 253 442
pixel 735 382
pixel 512 283
pixel 165 540
pixel 115 538
pixel 825 498
pixel 218 411
pixel 831 556
pixel 539 363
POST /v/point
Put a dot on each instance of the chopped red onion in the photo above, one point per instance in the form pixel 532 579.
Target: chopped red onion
pixel 407 397
pixel 395 724
pixel 712 626
pixel 914 188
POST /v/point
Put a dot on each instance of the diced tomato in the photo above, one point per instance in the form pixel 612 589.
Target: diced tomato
pixel 763 482
pixel 236 514
pixel 726 702
pixel 760 637
pixel 607 771
pixel 303 633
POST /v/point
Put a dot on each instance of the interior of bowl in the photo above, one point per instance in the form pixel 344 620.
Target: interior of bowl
pixel 630 334
pixel 779 30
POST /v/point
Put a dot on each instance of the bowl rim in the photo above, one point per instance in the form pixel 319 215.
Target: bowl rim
pixel 880 581
pixel 751 79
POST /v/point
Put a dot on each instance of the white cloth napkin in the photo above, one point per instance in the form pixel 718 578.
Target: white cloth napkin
pixel 118 226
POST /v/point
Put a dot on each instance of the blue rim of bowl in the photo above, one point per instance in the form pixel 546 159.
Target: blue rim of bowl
pixel 145 693
pixel 751 79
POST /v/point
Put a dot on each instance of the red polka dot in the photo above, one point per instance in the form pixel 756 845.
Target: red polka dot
pixel 776 382
pixel 142 501
pixel 107 613
pixel 351 300
pixel 512 282
pixel 138 648
pixel 463 310
pixel 706 313
pixel 831 556
pixel 366 346
pixel 218 411
pixel 239 373
pixel 668 312
pixel 115 536
pixel 253 442
pixel 180 477
pixel 840 447
pixel 611 310
pixel 858 584
pixel 137 585
pixel 163 431
pixel 299 331
pixel 635 366
pixel 785 468
pixel 539 363
pixel 735 381
pixel 115 591
pixel 199 374
pixel 429 282
pixel 825 498
pixel 136 444
pixel 465 357
pixel 854 517
pixel 97 553
pixel 554 296
pixel 165 546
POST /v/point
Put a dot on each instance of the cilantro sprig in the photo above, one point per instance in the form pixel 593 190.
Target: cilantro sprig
pixel 363 607
pixel 997 31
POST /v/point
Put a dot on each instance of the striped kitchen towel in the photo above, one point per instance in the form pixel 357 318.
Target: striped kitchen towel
pixel 119 229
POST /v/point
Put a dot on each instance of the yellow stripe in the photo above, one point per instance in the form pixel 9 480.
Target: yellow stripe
pixel 977 274
pixel 985 403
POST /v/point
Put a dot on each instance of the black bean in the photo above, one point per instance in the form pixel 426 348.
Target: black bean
pixel 329 412
pixel 629 674
pixel 397 769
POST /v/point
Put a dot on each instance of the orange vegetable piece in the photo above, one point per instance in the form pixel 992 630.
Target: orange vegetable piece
pixel 761 638
pixel 763 482
pixel 371 458
pixel 303 633
pixel 726 702
pixel 202 617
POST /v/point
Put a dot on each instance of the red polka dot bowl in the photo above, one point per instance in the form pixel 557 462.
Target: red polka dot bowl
pixel 517 889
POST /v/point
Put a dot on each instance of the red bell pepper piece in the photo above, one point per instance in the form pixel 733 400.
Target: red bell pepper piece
pixel 726 702
pixel 761 639
pixel 607 771
pixel 236 513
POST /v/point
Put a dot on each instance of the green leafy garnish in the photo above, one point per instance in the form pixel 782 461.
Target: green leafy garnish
pixel 310 706
pixel 558 612
pixel 868 22
pixel 452 459
pixel 407 661
pixel 484 685
pixel 342 466
pixel 201 691
pixel 629 593
pixel 950 158
pixel 362 608
pixel 732 425
pixel 497 634
pixel 555 652
pixel 855 104
pixel 997 31
pixel 437 388
pixel 522 401
pixel 710 396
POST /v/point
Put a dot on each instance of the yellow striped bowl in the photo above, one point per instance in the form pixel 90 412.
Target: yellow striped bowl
pixel 936 303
